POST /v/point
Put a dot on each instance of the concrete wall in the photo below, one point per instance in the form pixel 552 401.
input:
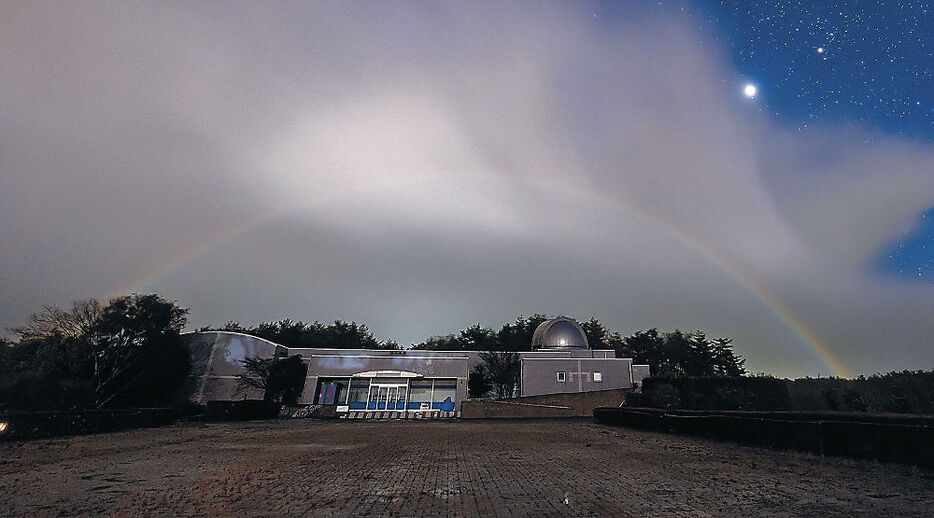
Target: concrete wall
pixel 639 373
pixel 551 405
pixel 473 357
pixel 539 375
pixel 216 364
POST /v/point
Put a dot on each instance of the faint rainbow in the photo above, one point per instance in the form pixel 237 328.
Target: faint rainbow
pixel 144 280
pixel 810 338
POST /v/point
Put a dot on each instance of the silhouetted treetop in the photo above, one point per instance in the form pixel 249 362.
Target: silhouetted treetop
pixel 676 353
pixel 298 334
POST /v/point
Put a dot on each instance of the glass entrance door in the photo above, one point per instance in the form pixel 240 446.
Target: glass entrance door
pixel 389 397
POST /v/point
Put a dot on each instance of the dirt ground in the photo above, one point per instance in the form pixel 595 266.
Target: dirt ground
pixel 452 468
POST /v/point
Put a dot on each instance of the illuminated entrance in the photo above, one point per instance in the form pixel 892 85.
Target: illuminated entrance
pixel 387 397
pixel 377 392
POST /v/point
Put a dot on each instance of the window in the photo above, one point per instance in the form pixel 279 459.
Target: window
pixel 445 395
pixel 359 387
pixel 598 377
pixel 419 393
pixel 331 392
pixel 562 376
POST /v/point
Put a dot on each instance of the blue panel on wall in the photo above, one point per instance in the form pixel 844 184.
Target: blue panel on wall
pixel 445 406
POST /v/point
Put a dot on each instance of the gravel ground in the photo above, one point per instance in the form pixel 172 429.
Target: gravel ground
pixel 450 468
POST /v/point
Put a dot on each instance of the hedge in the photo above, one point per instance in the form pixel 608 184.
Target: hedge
pixel 908 439
pixel 241 410
pixel 31 425
pixel 714 393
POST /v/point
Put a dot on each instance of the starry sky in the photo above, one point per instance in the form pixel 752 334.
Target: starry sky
pixel 422 167
pixel 864 63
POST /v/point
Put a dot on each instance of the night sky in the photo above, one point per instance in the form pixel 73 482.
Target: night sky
pixel 861 63
pixel 869 64
pixel 760 170
pixel 864 63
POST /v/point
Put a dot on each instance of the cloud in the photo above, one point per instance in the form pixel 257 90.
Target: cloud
pixel 420 170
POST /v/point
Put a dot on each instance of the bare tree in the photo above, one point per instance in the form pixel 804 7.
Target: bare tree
pixel 53 320
pixel 255 374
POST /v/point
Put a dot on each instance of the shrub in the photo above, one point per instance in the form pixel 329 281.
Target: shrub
pixel 717 393
pixel 478 382
pixel 241 410
pixel 900 392
pixel 280 379
pixel 830 398
pixel 37 391
pixel 854 401
pixel 635 399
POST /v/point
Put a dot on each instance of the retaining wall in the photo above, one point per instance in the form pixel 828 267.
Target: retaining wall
pixel 581 404
pixel 893 437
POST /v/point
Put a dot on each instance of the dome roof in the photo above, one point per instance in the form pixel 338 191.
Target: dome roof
pixel 559 333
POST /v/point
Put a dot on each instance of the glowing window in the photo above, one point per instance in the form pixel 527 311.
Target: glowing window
pixel 562 376
pixel 598 376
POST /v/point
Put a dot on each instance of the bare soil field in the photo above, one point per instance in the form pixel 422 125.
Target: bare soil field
pixel 452 468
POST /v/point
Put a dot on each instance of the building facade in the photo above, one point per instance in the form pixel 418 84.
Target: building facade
pixel 360 380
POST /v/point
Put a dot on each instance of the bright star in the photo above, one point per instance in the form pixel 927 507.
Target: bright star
pixel 820 50
pixel 750 90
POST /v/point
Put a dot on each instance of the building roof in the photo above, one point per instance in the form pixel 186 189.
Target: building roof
pixel 559 333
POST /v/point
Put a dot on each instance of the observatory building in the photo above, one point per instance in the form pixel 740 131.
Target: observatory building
pixel 362 380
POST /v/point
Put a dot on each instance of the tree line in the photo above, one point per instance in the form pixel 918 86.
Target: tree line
pixel 298 334
pixel 125 352
pixel 128 352
pixel 670 354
